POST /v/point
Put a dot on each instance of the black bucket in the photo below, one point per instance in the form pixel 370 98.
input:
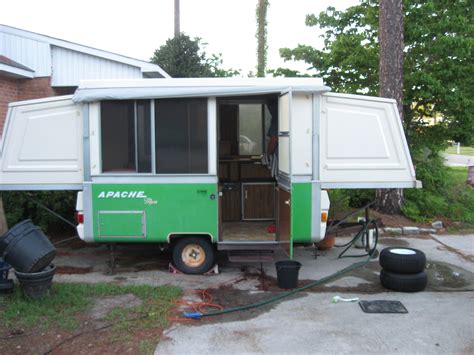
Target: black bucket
pixel 26 247
pixel 287 273
pixel 37 284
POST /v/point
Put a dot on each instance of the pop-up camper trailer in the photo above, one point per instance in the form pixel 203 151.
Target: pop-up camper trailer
pixel 204 164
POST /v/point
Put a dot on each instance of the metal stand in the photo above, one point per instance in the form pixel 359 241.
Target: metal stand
pixel 111 262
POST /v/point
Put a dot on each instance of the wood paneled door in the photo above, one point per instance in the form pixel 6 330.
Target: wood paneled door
pixel 258 201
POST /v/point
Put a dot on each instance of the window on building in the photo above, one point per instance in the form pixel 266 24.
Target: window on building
pixel 123 124
pixel 181 136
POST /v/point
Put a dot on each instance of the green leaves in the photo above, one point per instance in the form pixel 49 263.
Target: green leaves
pixel 183 57
pixel 438 70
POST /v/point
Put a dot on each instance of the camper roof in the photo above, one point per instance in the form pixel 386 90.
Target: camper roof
pixel 96 90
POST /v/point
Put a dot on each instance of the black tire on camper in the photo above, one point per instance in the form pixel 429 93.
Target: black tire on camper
pixel 193 255
pixel 402 260
pixel 403 282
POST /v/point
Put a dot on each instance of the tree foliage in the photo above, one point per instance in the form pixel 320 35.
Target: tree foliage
pixel 183 57
pixel 438 70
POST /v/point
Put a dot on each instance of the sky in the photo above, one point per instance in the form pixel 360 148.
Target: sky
pixel 136 28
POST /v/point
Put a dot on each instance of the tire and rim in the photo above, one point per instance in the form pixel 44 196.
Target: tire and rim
pixel 193 255
pixel 402 260
pixel 403 282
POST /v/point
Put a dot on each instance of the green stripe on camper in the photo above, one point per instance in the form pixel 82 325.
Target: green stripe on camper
pixel 151 212
pixel 301 212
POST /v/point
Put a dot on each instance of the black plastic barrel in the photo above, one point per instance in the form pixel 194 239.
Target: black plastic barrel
pixel 37 284
pixel 26 248
pixel 287 273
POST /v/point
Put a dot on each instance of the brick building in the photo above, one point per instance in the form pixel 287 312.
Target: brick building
pixel 34 66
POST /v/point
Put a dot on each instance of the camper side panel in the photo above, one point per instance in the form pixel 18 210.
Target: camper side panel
pixel 363 144
pixel 153 212
pixel 42 146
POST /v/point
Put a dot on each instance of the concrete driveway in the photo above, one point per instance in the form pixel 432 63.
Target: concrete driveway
pixel 458 160
pixel 440 319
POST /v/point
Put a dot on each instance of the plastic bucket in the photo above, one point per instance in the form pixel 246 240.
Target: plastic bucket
pixel 287 273
pixel 37 284
pixel 26 247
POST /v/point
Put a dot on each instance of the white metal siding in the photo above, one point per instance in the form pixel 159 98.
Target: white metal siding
pixel 70 66
pixel 34 54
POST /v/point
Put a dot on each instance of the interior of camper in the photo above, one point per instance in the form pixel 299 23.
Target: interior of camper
pixel 247 132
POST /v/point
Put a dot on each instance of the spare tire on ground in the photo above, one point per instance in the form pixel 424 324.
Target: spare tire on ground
pixel 404 282
pixel 402 260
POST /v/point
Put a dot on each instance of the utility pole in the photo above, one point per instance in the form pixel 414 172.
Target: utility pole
pixel 176 19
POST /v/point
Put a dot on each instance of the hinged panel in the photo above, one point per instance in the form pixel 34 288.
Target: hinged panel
pixel 363 143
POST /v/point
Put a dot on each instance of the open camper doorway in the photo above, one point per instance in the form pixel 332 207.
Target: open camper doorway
pixel 247 166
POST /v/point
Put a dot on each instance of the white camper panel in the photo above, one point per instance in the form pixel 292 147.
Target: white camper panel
pixel 363 144
pixel 42 145
pixel 301 134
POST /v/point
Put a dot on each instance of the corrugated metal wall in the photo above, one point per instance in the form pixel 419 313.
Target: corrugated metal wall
pixel 70 66
pixel 34 54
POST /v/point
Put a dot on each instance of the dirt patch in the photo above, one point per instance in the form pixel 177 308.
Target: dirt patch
pixel 388 220
pixel 90 341
pixel 73 270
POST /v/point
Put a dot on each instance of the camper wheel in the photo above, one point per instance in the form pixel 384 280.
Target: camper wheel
pixel 193 255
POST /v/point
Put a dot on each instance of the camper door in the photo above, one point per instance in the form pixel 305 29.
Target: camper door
pixel 284 174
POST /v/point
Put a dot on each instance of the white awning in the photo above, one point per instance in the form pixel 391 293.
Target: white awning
pixel 90 91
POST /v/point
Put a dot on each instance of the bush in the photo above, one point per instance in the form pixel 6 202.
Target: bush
pixel 339 204
pixel 444 194
pixel 20 205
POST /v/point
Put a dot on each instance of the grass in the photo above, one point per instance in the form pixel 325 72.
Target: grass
pixel 67 301
pixel 463 150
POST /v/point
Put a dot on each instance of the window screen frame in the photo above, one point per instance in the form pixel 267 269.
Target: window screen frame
pixel 211 149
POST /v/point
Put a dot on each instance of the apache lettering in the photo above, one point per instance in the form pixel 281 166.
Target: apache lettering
pixel 122 194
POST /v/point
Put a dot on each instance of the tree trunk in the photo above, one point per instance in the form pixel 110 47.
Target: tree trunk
pixel 176 19
pixel 391 81
pixel 261 14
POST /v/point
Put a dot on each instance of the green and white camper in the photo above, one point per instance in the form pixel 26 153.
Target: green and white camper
pixel 191 163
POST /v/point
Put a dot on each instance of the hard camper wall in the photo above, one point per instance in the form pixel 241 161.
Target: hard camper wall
pixel 42 146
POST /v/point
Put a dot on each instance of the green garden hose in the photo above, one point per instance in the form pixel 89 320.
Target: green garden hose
pixel 197 315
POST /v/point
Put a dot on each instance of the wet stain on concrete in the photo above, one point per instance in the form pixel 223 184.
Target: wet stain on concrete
pixel 447 277
pixel 229 297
